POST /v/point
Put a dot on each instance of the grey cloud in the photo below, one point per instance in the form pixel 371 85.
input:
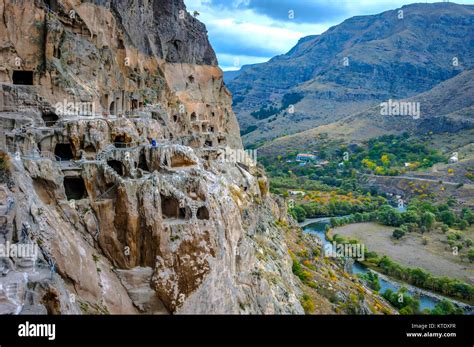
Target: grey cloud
pixel 305 11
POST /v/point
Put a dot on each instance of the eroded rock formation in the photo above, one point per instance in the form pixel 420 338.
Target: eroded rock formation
pixel 119 128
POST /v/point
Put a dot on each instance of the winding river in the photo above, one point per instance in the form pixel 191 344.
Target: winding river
pixel 317 226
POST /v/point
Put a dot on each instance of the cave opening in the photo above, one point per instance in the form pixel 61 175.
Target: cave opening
pixel 120 142
pixel 170 208
pixel 142 163
pixel 193 117
pixel 52 5
pixel 203 213
pixel 75 188
pixel 63 151
pixel 112 108
pixel 23 77
pixel 50 118
pixel 208 143
pixel 116 165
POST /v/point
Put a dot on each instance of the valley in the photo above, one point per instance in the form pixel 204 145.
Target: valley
pixel 428 251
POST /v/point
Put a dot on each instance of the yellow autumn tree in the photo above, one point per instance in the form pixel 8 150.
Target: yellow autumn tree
pixel 369 164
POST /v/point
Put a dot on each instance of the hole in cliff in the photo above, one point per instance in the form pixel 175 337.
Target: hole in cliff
pixel 120 142
pixel 193 117
pixel 191 78
pixel 120 44
pixel 175 118
pixel 90 152
pixel 23 77
pixel 50 118
pixel 221 140
pixel 57 53
pixel 180 160
pixel 116 165
pixel 170 208
pixel 142 163
pixel 52 5
pixel 211 129
pixel 63 151
pixel 75 188
pixel 208 143
pixel 203 213
pixel 112 108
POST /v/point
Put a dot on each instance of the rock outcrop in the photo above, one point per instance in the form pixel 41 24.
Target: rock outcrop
pixel 126 168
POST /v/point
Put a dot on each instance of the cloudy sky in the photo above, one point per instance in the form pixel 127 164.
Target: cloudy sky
pixel 252 31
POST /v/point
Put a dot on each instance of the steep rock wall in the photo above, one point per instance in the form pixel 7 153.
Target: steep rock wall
pixel 121 168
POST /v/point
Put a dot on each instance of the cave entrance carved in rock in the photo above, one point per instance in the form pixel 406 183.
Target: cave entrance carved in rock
pixel 117 166
pixel 203 213
pixel 63 152
pixel 120 142
pixel 50 118
pixel 112 108
pixel 75 188
pixel 170 208
pixel 23 77
pixel 142 163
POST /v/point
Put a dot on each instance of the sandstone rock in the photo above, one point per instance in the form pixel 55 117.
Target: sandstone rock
pixel 123 178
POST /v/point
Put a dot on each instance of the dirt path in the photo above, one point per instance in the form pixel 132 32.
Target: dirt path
pixel 435 257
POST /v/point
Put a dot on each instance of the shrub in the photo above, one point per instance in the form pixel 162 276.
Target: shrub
pixel 398 233
pixel 307 303
pixel 470 256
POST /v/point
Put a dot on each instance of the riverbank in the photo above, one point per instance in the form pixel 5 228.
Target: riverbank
pixel 428 299
pixel 312 221
pixel 411 251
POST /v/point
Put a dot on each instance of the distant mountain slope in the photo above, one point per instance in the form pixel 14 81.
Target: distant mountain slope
pixel 447 108
pixel 387 57
pixel 230 75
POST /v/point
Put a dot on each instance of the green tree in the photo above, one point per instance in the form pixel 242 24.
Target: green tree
pixel 298 213
pixel 445 307
pixel 448 218
pixel 427 220
pixel 470 255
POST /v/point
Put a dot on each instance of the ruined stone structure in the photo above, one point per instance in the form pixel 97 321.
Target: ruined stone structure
pixel 117 123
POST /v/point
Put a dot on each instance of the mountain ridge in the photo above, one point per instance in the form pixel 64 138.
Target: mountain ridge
pixel 380 65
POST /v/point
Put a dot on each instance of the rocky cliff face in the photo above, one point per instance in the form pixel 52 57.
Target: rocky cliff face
pixel 126 168
pixel 123 179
